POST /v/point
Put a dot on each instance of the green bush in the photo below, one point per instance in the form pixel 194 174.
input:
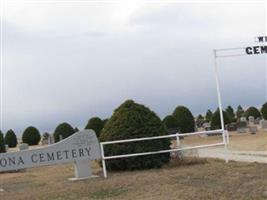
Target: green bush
pixel 31 136
pixel 2 143
pixel 252 111
pixel 216 120
pixel 132 120
pixel 170 122
pixel 96 124
pixel 11 139
pixel 63 129
pixel 185 119
pixel 264 111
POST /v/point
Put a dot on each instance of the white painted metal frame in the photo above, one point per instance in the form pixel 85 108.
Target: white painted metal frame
pixel 225 137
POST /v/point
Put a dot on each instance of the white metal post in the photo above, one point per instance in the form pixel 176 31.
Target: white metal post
pixel 220 106
pixel 177 140
pixel 103 161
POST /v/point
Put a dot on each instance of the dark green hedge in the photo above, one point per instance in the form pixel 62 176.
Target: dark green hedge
pixel 132 120
pixel 185 119
pixel 31 136
pixel 11 139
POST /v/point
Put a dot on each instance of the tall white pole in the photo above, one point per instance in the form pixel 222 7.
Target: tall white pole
pixel 218 91
pixel 220 106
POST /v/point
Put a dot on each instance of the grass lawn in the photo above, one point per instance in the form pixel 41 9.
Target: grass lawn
pixel 197 179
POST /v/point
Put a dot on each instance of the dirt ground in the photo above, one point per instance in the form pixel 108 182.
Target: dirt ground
pixel 197 179
pixel 238 141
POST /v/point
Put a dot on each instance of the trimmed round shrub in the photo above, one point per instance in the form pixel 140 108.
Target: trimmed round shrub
pixel 131 120
pixel 2 143
pixel 252 111
pixel 170 122
pixel 31 136
pixel 216 120
pixel 64 129
pixel 185 119
pixel 96 124
pixel 11 139
pixel 264 111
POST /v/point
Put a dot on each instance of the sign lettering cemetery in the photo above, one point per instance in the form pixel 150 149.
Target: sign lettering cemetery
pixel 261 49
pixel 79 148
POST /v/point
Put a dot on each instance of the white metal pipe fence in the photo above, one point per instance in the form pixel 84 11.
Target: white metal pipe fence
pixel 225 141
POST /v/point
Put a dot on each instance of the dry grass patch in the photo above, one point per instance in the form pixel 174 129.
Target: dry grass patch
pixel 190 179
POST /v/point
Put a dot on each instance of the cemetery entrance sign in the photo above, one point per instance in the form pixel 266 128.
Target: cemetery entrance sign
pixel 79 148
pixel 233 52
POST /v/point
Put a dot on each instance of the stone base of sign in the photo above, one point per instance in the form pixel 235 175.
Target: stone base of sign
pixel 82 170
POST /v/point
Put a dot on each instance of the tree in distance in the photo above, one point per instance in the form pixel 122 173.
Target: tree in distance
pixel 208 115
pixel 216 120
pixel 11 139
pixel 264 111
pixel 64 129
pixel 31 136
pixel 96 124
pixel 185 119
pixel 231 113
pixel 239 112
pixel 252 111
pixel 200 120
pixel 170 122
pixel 2 143
pixel 132 120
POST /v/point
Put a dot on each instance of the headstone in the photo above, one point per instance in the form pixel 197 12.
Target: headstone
pixel 263 124
pixel 253 129
pixel 23 147
pixel 257 121
pixel 51 140
pixel 231 127
pixel 60 137
pixel 241 130
pixel 241 124
pixel 251 120
pixel 243 119
pixel 79 148
pixel 207 126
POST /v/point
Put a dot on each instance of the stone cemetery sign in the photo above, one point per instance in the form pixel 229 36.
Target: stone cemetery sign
pixel 79 148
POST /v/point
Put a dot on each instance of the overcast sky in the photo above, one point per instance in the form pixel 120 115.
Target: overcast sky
pixel 68 62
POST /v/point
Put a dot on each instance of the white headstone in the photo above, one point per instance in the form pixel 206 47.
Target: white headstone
pixel 60 137
pixel 243 119
pixel 79 148
pixel 251 120
pixel 23 147
pixel 253 129
pixel 263 124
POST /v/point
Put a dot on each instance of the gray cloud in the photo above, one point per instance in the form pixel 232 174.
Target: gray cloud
pixel 160 56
